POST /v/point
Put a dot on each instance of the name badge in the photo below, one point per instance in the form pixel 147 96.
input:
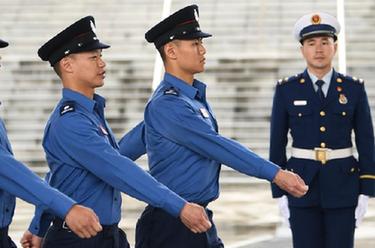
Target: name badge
pixel 204 113
pixel 300 103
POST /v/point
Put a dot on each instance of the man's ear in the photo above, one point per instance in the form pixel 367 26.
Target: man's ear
pixel 170 50
pixel 66 64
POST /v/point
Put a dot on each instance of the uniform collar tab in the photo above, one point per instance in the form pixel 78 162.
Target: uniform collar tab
pixel 81 99
pixel 198 88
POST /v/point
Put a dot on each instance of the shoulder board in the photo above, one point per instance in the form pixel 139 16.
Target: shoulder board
pixel 288 79
pixel 352 79
pixel 171 91
pixel 66 107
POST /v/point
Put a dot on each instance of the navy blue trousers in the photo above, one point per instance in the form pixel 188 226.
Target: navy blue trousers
pixel 158 229
pixel 315 227
pixel 109 237
pixel 5 240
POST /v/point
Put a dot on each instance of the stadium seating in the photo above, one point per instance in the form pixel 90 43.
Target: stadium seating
pixel 252 47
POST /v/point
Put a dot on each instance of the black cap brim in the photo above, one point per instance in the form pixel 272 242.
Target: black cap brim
pixel 318 34
pixel 194 36
pixel 94 46
pixel 3 43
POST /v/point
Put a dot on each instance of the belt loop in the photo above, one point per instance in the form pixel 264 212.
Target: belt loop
pixel 65 226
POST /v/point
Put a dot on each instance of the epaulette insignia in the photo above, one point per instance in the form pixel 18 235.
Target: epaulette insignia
pixel 358 80
pixel 67 107
pixel 171 91
pixel 282 80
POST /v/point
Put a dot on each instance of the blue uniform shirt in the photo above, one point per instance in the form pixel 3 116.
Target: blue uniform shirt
pixel 86 165
pixel 183 145
pixel 17 180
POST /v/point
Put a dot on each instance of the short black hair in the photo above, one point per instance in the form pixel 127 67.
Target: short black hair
pixel 162 52
pixel 56 68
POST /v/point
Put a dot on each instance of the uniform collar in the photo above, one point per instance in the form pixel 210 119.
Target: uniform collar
pixel 83 100
pixel 197 89
pixel 326 78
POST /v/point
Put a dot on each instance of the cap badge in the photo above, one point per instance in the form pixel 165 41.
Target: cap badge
pixel 315 19
pixel 343 99
pixel 93 27
pixel 196 15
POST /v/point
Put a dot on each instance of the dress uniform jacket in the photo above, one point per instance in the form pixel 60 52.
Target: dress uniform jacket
pixel 328 124
pixel 85 164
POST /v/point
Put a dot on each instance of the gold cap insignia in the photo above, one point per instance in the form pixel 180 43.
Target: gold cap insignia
pixel 315 19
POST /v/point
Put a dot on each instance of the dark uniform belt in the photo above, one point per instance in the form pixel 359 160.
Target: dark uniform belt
pixel 3 233
pixel 107 229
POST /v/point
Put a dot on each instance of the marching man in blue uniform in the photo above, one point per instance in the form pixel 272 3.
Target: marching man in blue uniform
pixel 16 180
pixel 82 152
pixel 322 108
pixel 180 134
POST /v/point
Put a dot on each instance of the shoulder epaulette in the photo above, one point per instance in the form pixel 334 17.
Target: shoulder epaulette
pixel 288 79
pixel 171 91
pixel 352 79
pixel 66 107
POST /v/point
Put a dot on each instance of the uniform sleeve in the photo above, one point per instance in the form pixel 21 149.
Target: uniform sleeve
pixel 84 143
pixel 20 181
pixel 364 138
pixel 42 218
pixel 133 144
pixel 176 120
pixel 279 136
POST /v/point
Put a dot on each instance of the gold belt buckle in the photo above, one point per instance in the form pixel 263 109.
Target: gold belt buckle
pixel 321 154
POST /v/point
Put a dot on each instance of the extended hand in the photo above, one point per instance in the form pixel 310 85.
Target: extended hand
pixel 29 240
pixel 194 217
pixel 83 221
pixel 290 182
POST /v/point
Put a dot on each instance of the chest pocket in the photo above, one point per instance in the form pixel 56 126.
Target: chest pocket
pixel 342 115
pixel 100 128
pixel 300 117
pixel 201 111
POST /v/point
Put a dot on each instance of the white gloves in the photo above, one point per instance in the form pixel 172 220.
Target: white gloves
pixel 361 209
pixel 284 209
